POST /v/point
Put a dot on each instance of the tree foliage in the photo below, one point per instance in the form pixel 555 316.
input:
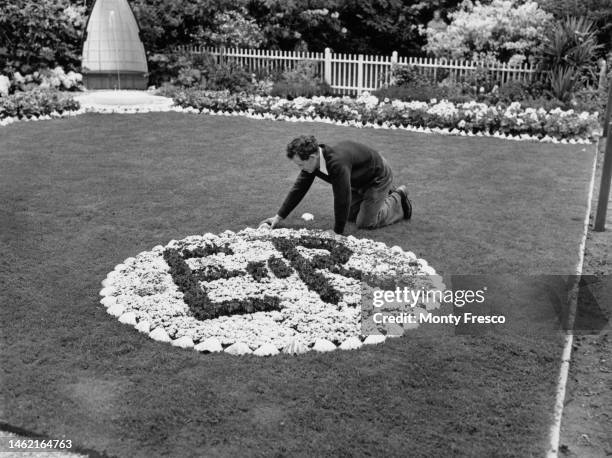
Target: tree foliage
pixel 40 34
pixel 165 24
pixel 346 26
pixel 295 24
pixel 232 29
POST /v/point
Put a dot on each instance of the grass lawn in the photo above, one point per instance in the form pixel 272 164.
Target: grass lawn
pixel 78 196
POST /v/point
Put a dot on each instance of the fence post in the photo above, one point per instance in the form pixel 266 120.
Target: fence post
pixel 608 115
pixel 327 66
pixel 389 77
pixel 602 73
pixel 436 62
pixel 606 173
pixel 359 74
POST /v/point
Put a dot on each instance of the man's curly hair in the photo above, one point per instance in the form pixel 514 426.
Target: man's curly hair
pixel 303 146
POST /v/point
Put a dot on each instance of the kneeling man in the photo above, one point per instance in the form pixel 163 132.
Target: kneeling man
pixel 361 180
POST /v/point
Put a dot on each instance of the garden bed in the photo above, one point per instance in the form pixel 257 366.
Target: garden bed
pixel 469 118
pixel 465 119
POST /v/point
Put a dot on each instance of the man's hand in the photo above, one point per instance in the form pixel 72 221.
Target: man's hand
pixel 271 222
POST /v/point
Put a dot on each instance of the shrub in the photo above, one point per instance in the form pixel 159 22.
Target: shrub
pixel 40 34
pixel 303 81
pixel 164 67
pixel 422 93
pixel 226 76
pixel 502 28
pixel 512 91
pixel 407 75
pixel 199 71
pixel 481 80
pixel 291 91
pixel 212 100
pixel 592 100
pixel 546 103
pixel 168 90
pixel 47 79
pixel 598 11
pixel 563 81
pixel 569 57
pixel 37 102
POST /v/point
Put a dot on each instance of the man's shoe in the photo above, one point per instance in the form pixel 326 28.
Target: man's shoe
pixel 406 204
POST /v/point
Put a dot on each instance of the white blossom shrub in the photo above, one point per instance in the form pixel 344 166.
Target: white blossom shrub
pixel 508 30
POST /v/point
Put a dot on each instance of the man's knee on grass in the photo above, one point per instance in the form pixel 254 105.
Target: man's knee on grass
pixel 364 224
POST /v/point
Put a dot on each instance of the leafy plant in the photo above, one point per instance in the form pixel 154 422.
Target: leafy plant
pixel 40 34
pixel 598 11
pixel 226 75
pixel 303 81
pixel 407 75
pixel 512 91
pixel 291 91
pixel 563 81
pixel 37 102
pixel 570 52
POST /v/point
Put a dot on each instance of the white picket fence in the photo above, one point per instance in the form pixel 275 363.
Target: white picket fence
pixel 352 74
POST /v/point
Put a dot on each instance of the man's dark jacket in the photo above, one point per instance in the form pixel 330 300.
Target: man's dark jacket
pixel 350 165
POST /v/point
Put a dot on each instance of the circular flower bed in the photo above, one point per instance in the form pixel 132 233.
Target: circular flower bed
pixel 258 291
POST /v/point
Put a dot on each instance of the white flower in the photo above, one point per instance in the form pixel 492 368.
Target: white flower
pixel 18 78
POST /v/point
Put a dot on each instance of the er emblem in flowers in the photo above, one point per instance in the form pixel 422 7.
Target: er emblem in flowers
pixel 257 291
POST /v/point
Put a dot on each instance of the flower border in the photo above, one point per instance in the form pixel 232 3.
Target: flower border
pixel 300 110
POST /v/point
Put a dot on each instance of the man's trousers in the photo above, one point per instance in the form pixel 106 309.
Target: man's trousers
pixel 374 207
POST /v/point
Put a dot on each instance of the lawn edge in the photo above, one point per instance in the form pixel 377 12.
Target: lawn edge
pixel 566 356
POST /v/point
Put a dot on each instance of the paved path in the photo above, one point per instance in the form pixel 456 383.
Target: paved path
pixel 122 98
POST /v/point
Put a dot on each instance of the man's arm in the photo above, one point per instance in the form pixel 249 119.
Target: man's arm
pixel 296 194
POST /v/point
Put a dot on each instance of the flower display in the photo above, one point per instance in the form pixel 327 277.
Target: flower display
pixel 38 104
pixel 511 122
pixel 55 78
pixel 259 291
pixel 468 118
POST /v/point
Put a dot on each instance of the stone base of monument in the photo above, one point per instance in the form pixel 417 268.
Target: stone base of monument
pixel 115 80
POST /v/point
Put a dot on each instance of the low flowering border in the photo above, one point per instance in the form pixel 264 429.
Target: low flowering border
pixel 471 119
pixel 260 291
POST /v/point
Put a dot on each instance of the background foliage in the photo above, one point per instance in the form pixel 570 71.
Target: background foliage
pixel 566 38
pixel 42 33
pixel 503 29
